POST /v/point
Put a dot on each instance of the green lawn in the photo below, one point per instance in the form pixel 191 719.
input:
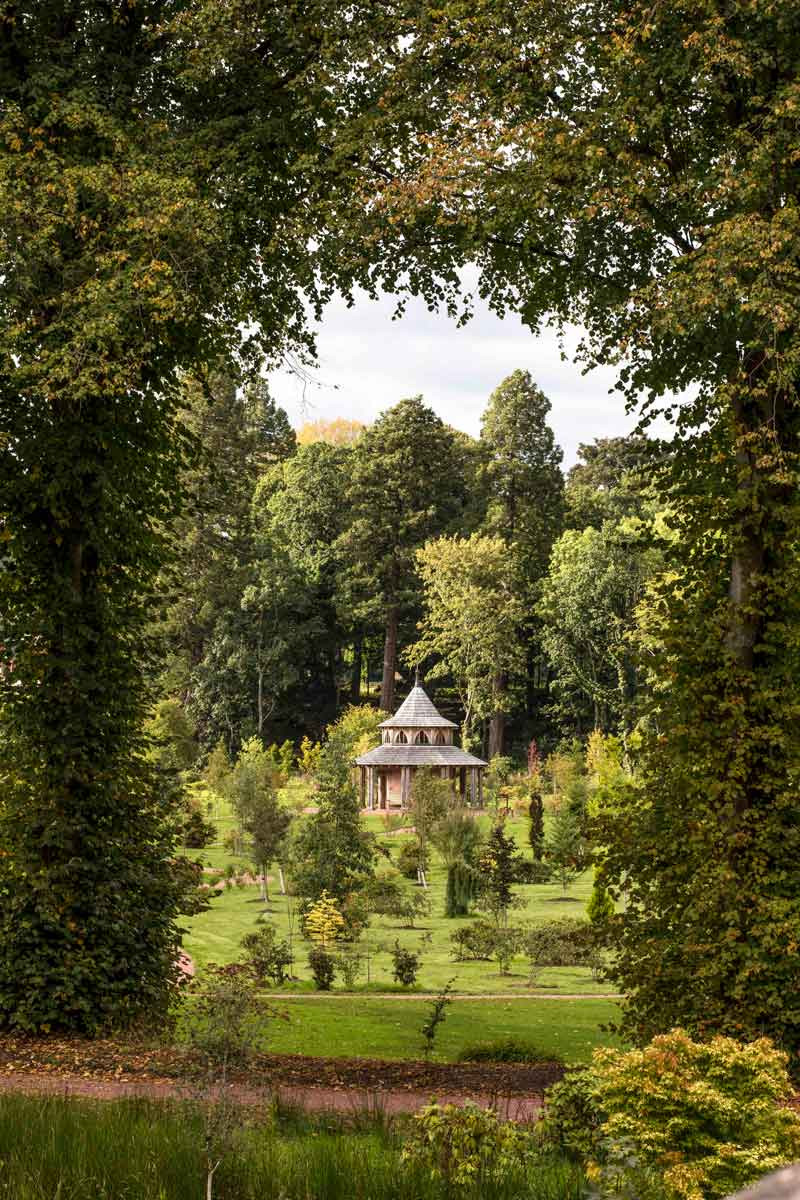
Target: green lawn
pixel 366 1027
pixel 215 936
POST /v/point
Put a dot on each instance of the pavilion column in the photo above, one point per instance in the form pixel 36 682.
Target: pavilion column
pixel 462 782
pixel 362 777
pixel 405 786
pixel 473 786
pixel 370 787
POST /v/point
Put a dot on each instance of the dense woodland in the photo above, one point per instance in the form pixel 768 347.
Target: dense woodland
pixel 309 574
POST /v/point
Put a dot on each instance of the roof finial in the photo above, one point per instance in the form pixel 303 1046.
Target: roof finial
pixel 416 676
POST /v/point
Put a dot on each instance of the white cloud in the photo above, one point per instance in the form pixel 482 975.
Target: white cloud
pixel 367 362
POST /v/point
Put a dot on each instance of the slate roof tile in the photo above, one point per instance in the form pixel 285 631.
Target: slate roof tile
pixel 390 755
pixel 418 711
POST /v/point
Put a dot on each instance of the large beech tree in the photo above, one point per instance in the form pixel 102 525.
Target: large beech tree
pixel 632 168
pixel 163 165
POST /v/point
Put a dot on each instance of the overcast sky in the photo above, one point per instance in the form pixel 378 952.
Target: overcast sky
pixel 367 362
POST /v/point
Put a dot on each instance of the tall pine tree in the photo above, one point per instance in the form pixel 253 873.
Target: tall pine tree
pixel 406 486
pixel 525 500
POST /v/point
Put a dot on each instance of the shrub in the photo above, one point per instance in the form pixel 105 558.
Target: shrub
pixel 508 942
pixel 532 871
pixel 465 1146
pixel 409 859
pixel 390 897
pixel 349 963
pixel 482 940
pixel 227 1023
pixel 505 1050
pixel 568 942
pixel 268 957
pixel 600 906
pixel 197 831
pixel 286 758
pixel 323 968
pixel 308 758
pixel 355 911
pixel 405 965
pixel 473 942
pixel 323 921
pixel 706 1116
pixel 571 1118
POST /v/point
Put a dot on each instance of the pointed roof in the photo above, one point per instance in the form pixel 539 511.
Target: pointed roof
pixel 392 755
pixel 418 711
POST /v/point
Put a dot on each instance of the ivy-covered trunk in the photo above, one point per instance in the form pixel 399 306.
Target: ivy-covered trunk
pixel 90 890
pixel 708 847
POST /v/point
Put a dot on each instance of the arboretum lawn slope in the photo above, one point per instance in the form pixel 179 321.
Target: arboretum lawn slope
pixel 369 1027
pixel 365 1025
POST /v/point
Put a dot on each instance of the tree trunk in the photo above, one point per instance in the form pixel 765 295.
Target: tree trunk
pixel 264 891
pixel 260 671
pixel 389 661
pixel 355 674
pixel 497 725
pixel 747 561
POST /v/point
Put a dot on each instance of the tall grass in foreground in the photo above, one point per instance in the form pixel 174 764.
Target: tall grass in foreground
pixel 60 1149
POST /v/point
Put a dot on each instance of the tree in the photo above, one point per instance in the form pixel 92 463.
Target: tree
pixel 218 769
pixel 239 432
pixel 152 219
pixel 525 500
pixel 472 612
pixel 611 479
pixel 405 487
pixel 458 839
pixel 323 921
pixel 536 817
pixel 340 431
pixel 587 611
pixel 252 777
pixel 600 906
pixel 590 191
pixel 431 799
pixel 564 844
pixel 174 744
pixel 268 824
pixel 331 853
pixel 303 508
pixel 357 730
pixel 497 867
pixel 226 1027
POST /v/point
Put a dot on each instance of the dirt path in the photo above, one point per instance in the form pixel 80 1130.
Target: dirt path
pixel 452 996
pixel 345 1101
pixel 112 1069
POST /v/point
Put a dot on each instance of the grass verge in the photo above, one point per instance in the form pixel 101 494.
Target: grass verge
pixel 565 1030
pixel 79 1150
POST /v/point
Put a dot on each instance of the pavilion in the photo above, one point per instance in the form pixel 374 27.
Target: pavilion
pixel 417 736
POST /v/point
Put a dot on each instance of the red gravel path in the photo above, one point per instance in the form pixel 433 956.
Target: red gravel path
pixel 313 1099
